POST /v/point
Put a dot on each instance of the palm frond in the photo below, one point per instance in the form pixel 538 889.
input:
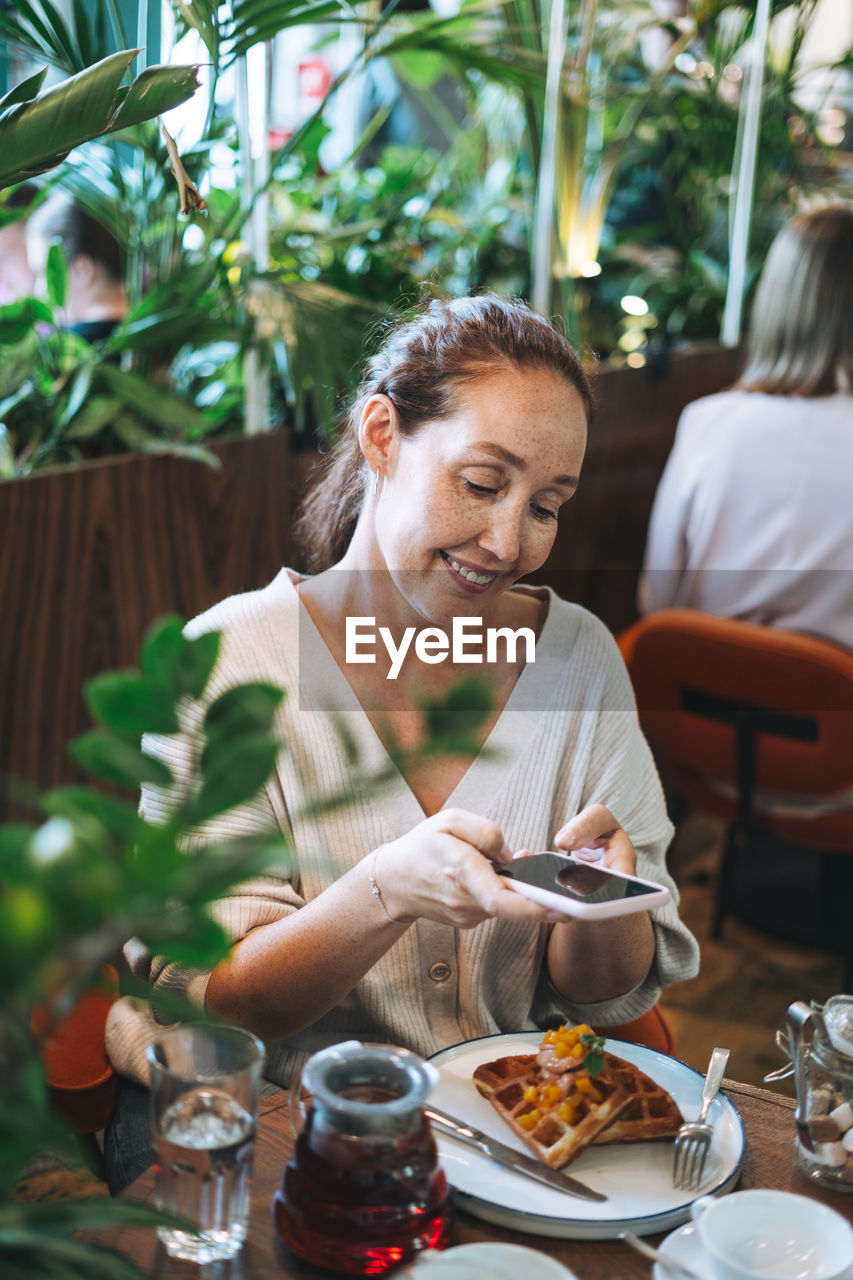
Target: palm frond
pixel 38 133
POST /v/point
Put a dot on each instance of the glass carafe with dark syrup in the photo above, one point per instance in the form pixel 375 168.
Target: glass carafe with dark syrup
pixel 364 1191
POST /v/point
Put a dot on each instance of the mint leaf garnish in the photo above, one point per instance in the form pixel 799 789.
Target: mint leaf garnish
pixel 594 1057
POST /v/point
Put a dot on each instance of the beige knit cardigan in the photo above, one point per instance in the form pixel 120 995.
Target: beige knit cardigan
pixel 568 737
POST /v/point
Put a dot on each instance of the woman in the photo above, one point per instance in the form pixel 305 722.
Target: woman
pixel 752 518
pixel 466 438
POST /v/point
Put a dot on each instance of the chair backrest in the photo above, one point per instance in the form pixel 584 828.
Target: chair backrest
pixel 705 684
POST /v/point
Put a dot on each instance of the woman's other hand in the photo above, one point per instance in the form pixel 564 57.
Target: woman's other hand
pixel 443 870
pixel 596 828
pixel 593 960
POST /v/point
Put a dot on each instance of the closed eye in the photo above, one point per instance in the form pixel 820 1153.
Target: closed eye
pixel 542 513
pixel 481 490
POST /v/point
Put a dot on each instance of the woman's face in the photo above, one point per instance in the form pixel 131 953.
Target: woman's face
pixel 469 503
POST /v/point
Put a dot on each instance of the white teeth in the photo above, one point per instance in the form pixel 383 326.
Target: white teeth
pixel 480 579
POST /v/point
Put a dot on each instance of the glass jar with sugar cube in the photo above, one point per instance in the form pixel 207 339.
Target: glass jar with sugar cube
pixel 819 1042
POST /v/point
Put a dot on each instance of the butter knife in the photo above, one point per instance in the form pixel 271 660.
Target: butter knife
pixel 529 1166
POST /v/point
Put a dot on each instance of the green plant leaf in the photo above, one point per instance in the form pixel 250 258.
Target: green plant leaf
pixel 237 714
pixel 38 134
pixel 56 275
pixel 202 16
pixel 594 1057
pixel 14 842
pixel 80 384
pixel 203 946
pixel 161 653
pixel 452 721
pixel 208 873
pixel 117 816
pixel 7 453
pixel 24 91
pixel 255 21
pixel 112 758
pixel 28 1254
pixel 19 318
pixel 421 68
pixel 197 663
pixel 248 707
pixel 233 777
pixel 175 661
pixel 160 407
pixel 94 416
pixel 131 704
pixel 156 858
pixel 170 86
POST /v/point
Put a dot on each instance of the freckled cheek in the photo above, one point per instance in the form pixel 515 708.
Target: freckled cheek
pixel 537 545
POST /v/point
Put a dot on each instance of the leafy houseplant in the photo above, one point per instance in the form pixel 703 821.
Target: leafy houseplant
pixel 58 391
pixel 666 238
pixel 93 873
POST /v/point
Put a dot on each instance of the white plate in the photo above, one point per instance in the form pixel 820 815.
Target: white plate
pixel 497 1261
pixel 636 1177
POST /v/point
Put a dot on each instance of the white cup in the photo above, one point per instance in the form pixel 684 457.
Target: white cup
pixel 772 1235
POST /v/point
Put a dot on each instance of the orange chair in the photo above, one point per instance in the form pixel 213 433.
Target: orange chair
pixel 738 712
pixel 651 1029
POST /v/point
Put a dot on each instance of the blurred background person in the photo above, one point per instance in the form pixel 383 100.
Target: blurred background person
pixel 753 518
pixel 96 300
pixel 17 279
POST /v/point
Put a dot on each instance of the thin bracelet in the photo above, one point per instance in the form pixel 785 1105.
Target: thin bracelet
pixel 374 887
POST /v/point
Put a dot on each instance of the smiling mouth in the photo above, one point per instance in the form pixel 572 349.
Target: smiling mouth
pixel 470 575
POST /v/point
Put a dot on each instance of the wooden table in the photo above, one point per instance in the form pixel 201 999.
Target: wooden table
pixel 769 1162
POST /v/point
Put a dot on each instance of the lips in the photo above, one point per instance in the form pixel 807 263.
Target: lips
pixel 475 577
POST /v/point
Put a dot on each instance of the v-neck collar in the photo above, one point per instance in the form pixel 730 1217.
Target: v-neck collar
pixel 323 687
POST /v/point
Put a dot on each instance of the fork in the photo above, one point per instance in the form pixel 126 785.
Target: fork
pixel 693 1140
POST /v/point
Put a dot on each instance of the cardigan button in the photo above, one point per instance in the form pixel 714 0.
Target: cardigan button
pixel 439 972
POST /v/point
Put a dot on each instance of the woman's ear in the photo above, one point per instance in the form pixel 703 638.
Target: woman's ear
pixel 377 433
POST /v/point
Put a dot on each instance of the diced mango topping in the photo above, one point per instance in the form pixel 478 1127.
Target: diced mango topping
pixel 530 1119
pixel 565 1095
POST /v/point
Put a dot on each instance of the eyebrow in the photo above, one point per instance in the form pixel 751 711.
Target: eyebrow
pixel 498 451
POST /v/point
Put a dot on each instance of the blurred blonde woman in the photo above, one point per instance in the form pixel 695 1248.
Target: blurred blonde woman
pixel 753 517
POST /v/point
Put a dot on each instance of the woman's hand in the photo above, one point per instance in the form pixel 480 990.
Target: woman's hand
pixel 592 960
pixel 596 828
pixel 443 870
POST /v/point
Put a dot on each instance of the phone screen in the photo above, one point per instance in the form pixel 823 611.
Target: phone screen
pixel 578 881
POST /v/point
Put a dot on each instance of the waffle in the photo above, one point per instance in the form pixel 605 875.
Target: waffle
pixel 557 1134
pixel 650 1114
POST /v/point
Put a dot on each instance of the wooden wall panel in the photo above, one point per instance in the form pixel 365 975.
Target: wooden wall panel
pixel 90 556
pixel 598 553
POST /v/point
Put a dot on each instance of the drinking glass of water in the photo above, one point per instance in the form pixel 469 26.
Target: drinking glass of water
pixel 205 1082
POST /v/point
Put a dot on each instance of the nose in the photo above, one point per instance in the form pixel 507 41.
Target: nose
pixel 501 536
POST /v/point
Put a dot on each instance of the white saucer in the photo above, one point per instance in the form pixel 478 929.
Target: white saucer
pixel 487 1258
pixel 683 1246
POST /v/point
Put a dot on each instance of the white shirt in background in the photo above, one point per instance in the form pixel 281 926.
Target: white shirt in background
pixel 753 518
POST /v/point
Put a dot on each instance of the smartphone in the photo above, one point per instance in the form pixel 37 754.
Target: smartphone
pixel 589 892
